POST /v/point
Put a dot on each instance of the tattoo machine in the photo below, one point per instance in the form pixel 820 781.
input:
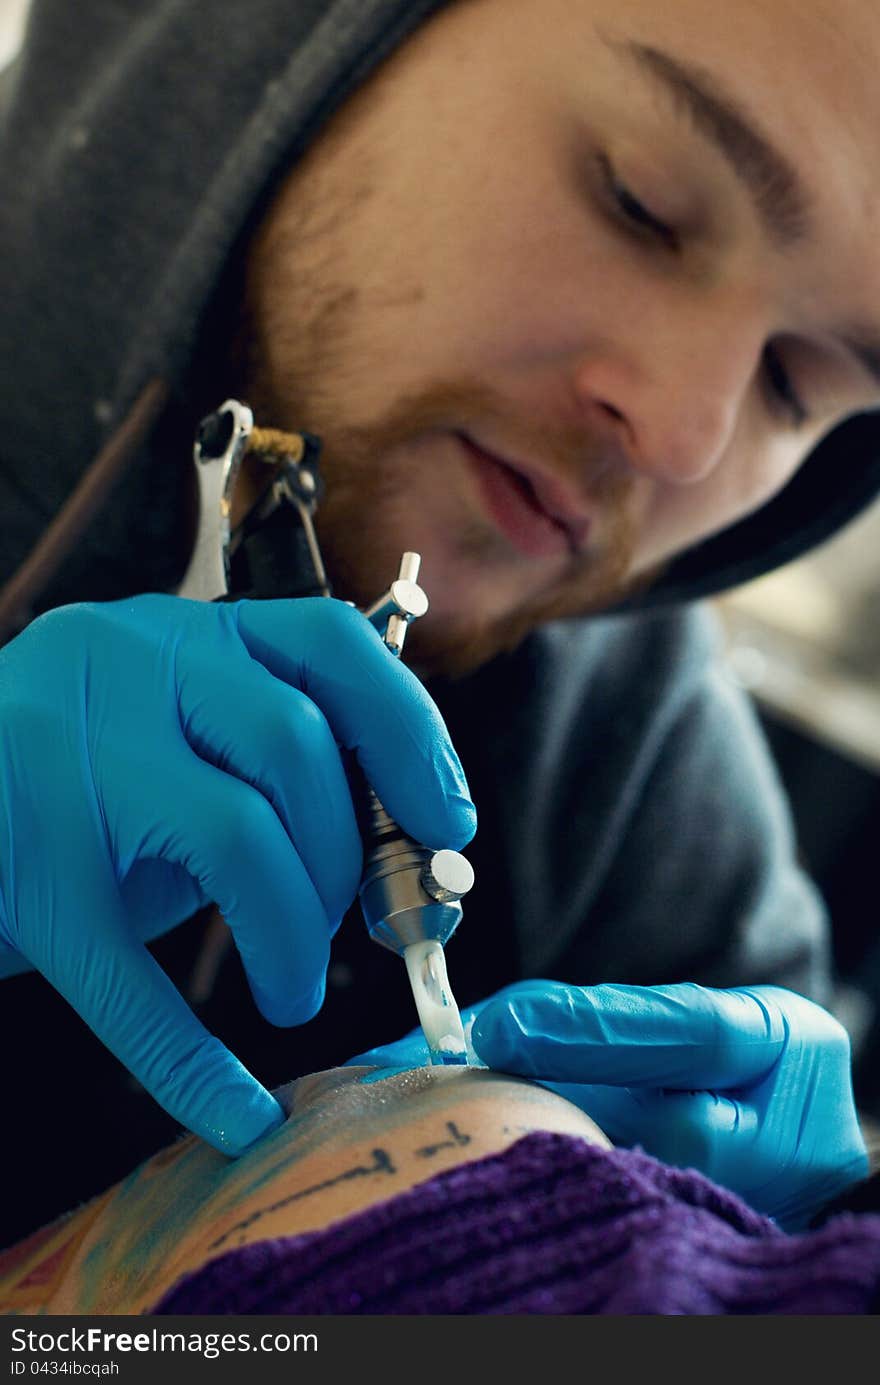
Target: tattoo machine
pixel 410 896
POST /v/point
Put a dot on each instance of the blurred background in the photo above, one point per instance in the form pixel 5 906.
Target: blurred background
pixel 12 17
pixel 805 643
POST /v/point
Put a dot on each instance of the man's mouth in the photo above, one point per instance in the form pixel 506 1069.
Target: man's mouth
pixel 529 509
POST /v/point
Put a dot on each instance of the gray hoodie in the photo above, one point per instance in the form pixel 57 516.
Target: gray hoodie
pixel 632 827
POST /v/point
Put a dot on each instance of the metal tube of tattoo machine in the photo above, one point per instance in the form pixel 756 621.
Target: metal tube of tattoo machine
pixel 410 894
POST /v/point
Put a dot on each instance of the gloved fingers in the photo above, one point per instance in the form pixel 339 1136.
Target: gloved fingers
pixel 714 1132
pixel 134 1009
pixel 687 1129
pixel 728 1140
pixel 226 835
pixel 157 895
pixel 684 1035
pixel 375 706
pixel 273 737
pixel 807 1104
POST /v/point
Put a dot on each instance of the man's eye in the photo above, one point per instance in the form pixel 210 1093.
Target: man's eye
pixel 783 390
pixel 634 211
pixel 642 219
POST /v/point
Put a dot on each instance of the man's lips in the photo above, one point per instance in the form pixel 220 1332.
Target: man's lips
pixel 532 510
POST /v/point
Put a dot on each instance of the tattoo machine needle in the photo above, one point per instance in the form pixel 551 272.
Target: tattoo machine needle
pixel 409 894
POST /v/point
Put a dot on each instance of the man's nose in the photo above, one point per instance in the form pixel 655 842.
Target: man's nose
pixel 674 406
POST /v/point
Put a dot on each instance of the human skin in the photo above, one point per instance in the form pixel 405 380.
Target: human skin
pixel 471 246
pixel 354 1136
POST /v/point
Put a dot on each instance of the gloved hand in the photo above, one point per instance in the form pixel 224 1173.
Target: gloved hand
pixel 751 1086
pixel 157 754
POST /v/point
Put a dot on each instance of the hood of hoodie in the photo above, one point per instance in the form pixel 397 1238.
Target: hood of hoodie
pixel 137 144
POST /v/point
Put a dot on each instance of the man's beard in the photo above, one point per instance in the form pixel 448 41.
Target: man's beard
pixel 361 521
pixel 300 357
pixel 363 481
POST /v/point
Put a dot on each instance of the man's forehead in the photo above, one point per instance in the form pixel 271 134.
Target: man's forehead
pixel 739 76
pixel 765 48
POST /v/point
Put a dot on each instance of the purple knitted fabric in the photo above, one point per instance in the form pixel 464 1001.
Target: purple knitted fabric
pixel 552 1225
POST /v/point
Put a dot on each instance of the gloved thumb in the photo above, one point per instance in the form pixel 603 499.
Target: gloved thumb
pixel 679 1036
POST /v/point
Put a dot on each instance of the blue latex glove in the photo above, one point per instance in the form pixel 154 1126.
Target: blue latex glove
pixel 751 1086
pixel 158 754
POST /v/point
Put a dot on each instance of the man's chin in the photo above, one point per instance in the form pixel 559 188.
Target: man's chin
pixel 454 653
pixel 456 656
pixel 455 649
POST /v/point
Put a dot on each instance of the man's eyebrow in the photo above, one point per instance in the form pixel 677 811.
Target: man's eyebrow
pixel 773 183
pixel 776 189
